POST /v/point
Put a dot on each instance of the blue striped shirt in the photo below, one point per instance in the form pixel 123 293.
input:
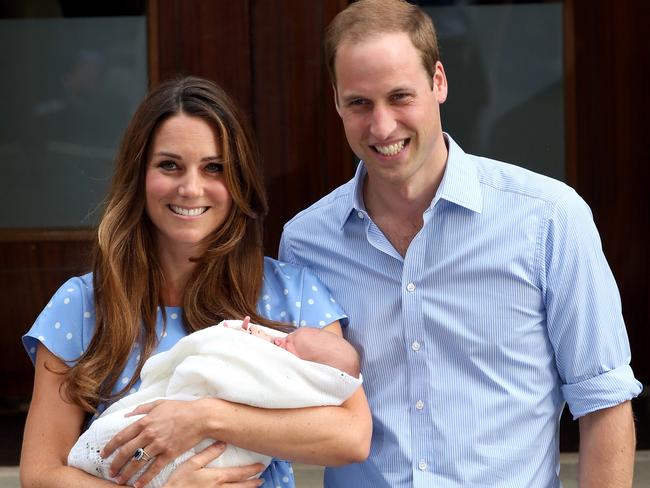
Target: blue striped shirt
pixel 503 309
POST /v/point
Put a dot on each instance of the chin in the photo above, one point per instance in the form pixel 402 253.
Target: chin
pixel 185 241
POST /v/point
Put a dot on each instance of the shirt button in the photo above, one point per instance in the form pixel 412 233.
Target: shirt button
pixel 415 346
pixel 360 215
pixel 419 405
pixel 422 465
pixel 410 287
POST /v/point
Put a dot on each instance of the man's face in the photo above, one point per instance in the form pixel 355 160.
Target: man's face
pixel 390 107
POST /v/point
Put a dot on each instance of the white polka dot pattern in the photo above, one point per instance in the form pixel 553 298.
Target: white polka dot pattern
pixel 66 325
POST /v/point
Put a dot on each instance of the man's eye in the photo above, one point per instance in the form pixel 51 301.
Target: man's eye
pixel 400 97
pixel 214 168
pixel 357 102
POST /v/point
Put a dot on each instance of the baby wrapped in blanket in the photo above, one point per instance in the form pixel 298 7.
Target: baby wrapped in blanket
pixel 263 368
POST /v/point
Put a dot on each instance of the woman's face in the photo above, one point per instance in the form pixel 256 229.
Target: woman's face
pixel 186 195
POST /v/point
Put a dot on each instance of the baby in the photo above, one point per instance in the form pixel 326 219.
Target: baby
pixel 316 345
pixel 235 361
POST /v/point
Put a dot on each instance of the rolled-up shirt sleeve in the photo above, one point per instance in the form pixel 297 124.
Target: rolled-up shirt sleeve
pixel 584 319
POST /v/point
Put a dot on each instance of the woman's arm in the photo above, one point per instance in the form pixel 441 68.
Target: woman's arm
pixel 329 436
pixel 51 430
pixel 317 435
pixel 54 425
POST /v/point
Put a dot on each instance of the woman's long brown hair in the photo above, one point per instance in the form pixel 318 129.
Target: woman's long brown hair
pixel 128 279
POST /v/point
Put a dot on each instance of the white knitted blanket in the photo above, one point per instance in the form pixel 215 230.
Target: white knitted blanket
pixel 219 362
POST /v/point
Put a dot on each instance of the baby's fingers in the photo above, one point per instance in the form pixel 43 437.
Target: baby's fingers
pixel 237 477
pixel 245 322
pixel 207 455
pixel 194 473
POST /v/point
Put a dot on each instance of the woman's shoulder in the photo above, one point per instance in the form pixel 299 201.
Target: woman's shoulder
pixel 291 278
pixel 294 294
pixel 273 267
pixel 288 279
pixel 83 283
pixel 66 322
pixel 76 292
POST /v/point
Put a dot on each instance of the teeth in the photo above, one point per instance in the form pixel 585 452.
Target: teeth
pixel 188 212
pixel 391 149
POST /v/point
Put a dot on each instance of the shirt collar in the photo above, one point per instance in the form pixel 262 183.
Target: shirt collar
pixel 460 184
pixel 355 196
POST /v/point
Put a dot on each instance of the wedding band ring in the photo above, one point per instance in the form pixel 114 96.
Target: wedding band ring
pixel 141 455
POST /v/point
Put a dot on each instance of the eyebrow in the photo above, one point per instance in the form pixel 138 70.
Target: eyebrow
pixel 176 156
pixel 400 89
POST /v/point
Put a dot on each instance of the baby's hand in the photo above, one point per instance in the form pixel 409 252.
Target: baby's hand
pixel 253 329
pixel 245 322
pixel 258 332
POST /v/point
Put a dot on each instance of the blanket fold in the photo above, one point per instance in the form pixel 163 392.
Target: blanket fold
pixel 223 362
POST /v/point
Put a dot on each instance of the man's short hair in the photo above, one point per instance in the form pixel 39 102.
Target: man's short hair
pixel 366 18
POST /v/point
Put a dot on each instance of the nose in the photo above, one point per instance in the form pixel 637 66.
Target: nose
pixel 382 123
pixel 190 185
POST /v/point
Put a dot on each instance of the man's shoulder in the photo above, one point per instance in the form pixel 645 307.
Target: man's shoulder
pixel 511 178
pixel 333 205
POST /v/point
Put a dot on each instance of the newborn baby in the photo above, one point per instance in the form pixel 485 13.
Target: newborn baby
pixel 317 345
pixel 234 361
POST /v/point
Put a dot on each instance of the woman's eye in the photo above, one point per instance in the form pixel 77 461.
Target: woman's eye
pixel 167 165
pixel 214 167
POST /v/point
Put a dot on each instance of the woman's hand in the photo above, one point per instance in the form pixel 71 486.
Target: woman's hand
pixel 194 473
pixel 168 429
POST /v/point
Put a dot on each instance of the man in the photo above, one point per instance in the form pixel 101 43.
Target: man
pixel 477 291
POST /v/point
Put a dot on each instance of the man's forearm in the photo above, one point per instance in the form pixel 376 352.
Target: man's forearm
pixel 607 447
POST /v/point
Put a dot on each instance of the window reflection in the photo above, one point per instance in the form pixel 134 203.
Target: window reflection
pixel 504 65
pixel 69 86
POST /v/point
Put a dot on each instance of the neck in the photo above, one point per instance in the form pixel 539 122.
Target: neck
pixel 177 269
pixel 397 207
pixel 404 202
pixel 406 199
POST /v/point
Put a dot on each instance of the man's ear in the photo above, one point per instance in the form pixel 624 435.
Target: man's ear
pixel 440 82
pixel 336 99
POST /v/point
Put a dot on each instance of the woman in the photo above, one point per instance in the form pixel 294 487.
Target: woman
pixel 179 248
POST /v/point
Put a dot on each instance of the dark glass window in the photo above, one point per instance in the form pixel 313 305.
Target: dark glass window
pixel 504 65
pixel 73 72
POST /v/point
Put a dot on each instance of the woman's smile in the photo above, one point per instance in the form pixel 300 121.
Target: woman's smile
pixel 188 211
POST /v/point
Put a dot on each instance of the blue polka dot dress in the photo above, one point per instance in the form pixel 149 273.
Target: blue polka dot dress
pixel 290 294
